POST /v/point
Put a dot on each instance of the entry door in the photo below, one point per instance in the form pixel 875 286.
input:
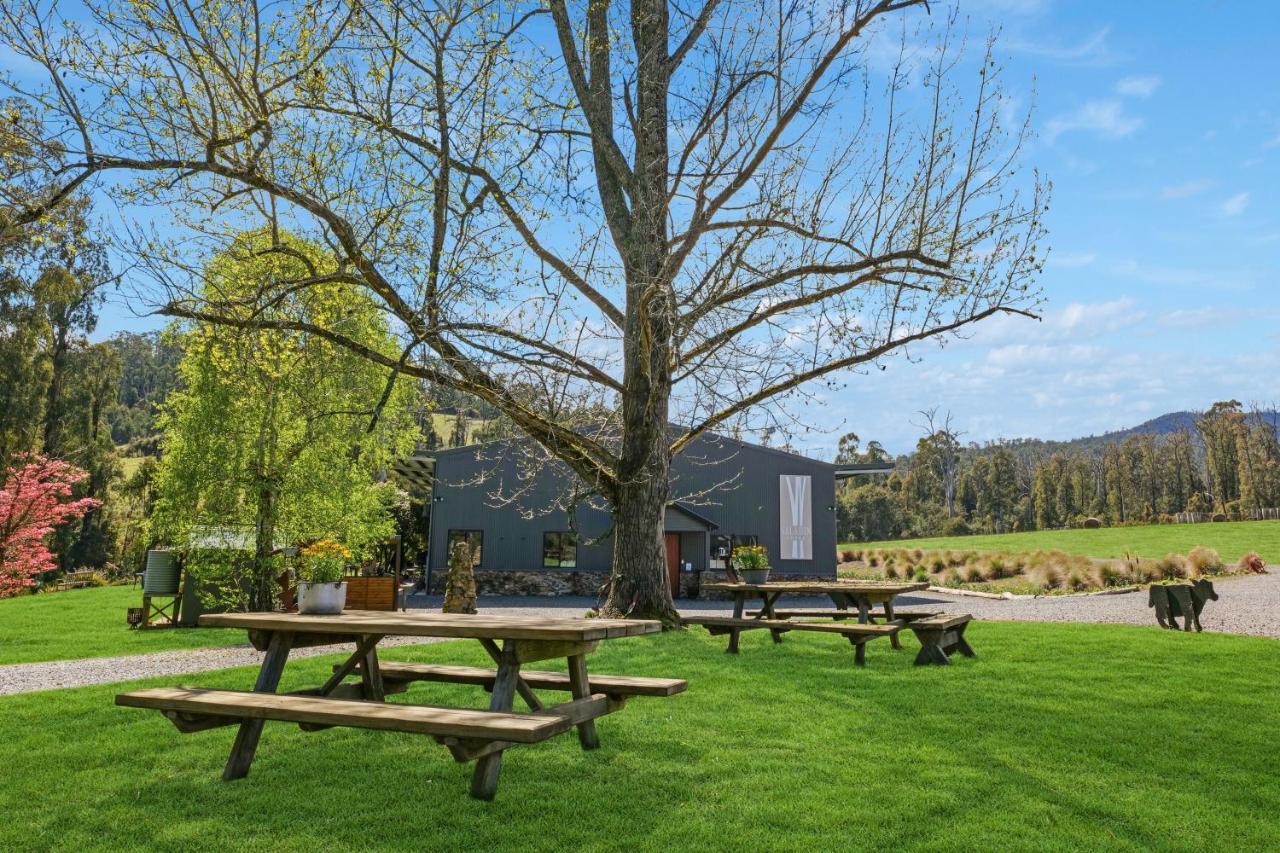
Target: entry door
pixel 673 562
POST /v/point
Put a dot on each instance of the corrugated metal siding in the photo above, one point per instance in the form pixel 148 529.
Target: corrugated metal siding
pixel 734 485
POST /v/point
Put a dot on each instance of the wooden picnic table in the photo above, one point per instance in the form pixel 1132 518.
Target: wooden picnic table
pixel 479 735
pixel 861 595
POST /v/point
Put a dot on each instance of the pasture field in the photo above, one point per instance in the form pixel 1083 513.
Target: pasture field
pixel 1231 539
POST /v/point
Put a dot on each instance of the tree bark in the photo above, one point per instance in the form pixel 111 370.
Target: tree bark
pixel 639 585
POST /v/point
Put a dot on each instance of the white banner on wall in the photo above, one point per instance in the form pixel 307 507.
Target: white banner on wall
pixel 795 516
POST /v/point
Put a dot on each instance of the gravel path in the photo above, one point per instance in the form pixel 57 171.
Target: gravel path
pixel 1246 605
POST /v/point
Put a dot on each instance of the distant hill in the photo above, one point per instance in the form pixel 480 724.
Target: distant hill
pixel 1160 426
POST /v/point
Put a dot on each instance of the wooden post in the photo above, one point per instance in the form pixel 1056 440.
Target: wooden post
pixel 767 612
pixel 739 601
pixel 246 742
pixel 526 692
pixel 484 781
pixel 581 689
pixel 888 617
pixel 371 675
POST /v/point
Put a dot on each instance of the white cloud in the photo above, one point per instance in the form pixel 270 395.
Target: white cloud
pixel 1071 260
pixel 1186 189
pixel 1138 87
pixel 1236 205
pixel 1106 118
pixel 1197 318
pixel 1091 51
pixel 1273 142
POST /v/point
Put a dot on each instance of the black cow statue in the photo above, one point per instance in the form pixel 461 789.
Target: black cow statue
pixel 1182 599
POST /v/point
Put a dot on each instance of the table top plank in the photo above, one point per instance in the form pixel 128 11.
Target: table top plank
pixel 433 624
pixel 853 587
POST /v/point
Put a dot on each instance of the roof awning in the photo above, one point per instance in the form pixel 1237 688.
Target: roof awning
pixel 862 469
pixel 417 471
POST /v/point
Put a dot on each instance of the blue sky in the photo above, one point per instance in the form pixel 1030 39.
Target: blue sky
pixel 1159 124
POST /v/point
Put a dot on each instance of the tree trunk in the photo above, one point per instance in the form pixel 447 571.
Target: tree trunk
pixel 264 577
pixel 53 397
pixel 638 584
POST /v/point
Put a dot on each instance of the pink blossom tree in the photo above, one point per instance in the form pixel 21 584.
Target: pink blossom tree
pixel 35 498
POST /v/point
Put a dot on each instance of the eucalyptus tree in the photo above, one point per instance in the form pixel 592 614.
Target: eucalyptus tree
pixel 680 213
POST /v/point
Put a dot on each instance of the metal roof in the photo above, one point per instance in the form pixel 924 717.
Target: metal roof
pixel 861 469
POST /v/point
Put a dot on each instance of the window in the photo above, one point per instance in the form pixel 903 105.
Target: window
pixel 559 550
pixel 474 538
pixel 723 545
pixel 720 548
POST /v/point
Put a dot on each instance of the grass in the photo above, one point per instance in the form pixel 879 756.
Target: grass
pixel 1056 737
pixel 83 623
pixel 1231 539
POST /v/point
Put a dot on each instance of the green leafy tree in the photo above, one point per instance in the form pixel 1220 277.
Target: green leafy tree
pixel 281 433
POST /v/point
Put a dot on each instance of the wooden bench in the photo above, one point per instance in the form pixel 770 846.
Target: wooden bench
pixel 396 677
pixel 856 633
pixel 939 636
pixel 901 615
pixel 467 734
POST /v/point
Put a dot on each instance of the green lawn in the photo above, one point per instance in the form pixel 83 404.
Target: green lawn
pixel 1056 737
pixel 86 623
pixel 1231 539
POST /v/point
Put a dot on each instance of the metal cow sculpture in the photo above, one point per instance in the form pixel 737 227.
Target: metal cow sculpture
pixel 1185 600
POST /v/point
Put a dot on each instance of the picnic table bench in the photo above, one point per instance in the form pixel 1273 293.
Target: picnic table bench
pixel 469 734
pixel 862 596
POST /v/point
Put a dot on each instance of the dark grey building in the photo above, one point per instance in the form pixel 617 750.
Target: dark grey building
pixel 725 493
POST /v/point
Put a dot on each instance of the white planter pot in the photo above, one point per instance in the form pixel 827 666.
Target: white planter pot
pixel 321 598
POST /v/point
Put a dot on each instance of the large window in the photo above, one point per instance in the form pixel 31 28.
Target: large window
pixel 723 546
pixel 474 538
pixel 559 550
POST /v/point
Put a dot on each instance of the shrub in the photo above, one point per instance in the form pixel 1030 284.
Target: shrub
pixel 847 556
pixel 921 576
pixel 997 569
pixel 873 560
pixel 1077 580
pixel 891 571
pixel 956 527
pixel 1251 562
pixel 1172 567
pixel 938 565
pixel 1204 561
pixel 917 555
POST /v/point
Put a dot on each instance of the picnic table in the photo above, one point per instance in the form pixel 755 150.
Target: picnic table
pixel 863 596
pixel 469 735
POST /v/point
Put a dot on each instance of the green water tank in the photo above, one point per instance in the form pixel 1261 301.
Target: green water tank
pixel 161 577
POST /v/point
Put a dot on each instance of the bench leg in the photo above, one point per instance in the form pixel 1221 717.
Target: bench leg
pixel 739 600
pixel 581 689
pixel 371 676
pixel 246 742
pixel 888 617
pixel 962 644
pixel 526 692
pixel 841 602
pixel 484 780
pixel 931 649
pixel 859 651
pixel 767 612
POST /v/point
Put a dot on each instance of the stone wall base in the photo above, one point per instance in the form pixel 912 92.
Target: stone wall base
pixel 591 584
pixel 533 583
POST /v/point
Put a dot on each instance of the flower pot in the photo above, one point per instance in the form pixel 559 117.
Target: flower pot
pixel 754 575
pixel 321 598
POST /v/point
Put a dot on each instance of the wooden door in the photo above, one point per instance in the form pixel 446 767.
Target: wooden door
pixel 673 562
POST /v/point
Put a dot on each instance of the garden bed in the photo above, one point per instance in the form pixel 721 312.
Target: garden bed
pixel 1030 572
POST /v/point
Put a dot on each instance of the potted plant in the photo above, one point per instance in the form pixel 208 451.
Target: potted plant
pixel 320 570
pixel 752 563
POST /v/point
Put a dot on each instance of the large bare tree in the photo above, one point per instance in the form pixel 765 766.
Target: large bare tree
pixel 674 213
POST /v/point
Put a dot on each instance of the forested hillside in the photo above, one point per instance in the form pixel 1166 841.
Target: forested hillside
pixel 1224 462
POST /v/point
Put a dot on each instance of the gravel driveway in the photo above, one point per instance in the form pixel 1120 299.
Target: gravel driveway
pixel 1246 605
